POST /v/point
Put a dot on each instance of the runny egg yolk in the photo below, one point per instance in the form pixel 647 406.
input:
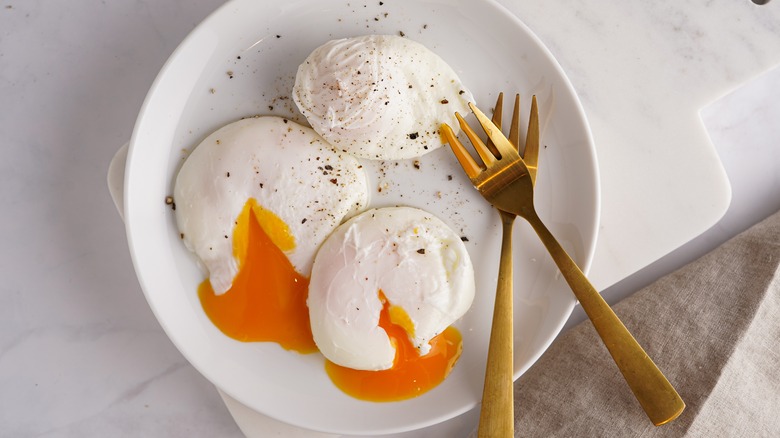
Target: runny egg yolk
pixel 411 374
pixel 267 301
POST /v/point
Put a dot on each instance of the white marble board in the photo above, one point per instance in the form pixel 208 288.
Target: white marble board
pixel 643 71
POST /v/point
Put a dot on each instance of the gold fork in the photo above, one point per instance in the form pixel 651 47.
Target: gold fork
pixel 507 182
pixel 497 412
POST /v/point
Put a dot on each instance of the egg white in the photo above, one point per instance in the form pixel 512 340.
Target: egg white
pixel 380 97
pixel 419 263
pixel 287 168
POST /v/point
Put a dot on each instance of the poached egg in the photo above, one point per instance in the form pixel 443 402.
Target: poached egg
pixel 400 262
pixel 254 201
pixel 380 97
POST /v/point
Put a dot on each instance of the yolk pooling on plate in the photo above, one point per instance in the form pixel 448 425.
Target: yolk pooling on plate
pixel 267 301
pixel 411 374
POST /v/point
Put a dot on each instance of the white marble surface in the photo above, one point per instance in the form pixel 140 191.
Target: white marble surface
pixel 643 70
pixel 81 353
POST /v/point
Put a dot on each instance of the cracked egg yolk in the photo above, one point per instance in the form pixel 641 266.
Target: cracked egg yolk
pixel 267 303
pixel 411 374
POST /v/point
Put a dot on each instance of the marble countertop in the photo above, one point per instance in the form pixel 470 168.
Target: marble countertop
pixel 81 353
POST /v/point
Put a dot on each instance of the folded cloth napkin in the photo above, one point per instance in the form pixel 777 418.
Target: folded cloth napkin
pixel 713 328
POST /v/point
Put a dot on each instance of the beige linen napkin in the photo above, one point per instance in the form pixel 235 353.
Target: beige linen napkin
pixel 713 328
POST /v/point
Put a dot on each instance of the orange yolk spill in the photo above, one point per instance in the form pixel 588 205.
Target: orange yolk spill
pixel 411 374
pixel 267 301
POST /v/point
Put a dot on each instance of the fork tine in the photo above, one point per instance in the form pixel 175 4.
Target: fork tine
pixel 497 115
pixel 498 111
pixel 502 143
pixel 482 150
pixel 464 158
pixel 531 153
pixel 514 129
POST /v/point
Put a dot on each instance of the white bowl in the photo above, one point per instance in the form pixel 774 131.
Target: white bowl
pixel 240 62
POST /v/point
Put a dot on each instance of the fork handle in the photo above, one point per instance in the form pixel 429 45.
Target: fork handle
pixel 496 418
pixel 657 396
